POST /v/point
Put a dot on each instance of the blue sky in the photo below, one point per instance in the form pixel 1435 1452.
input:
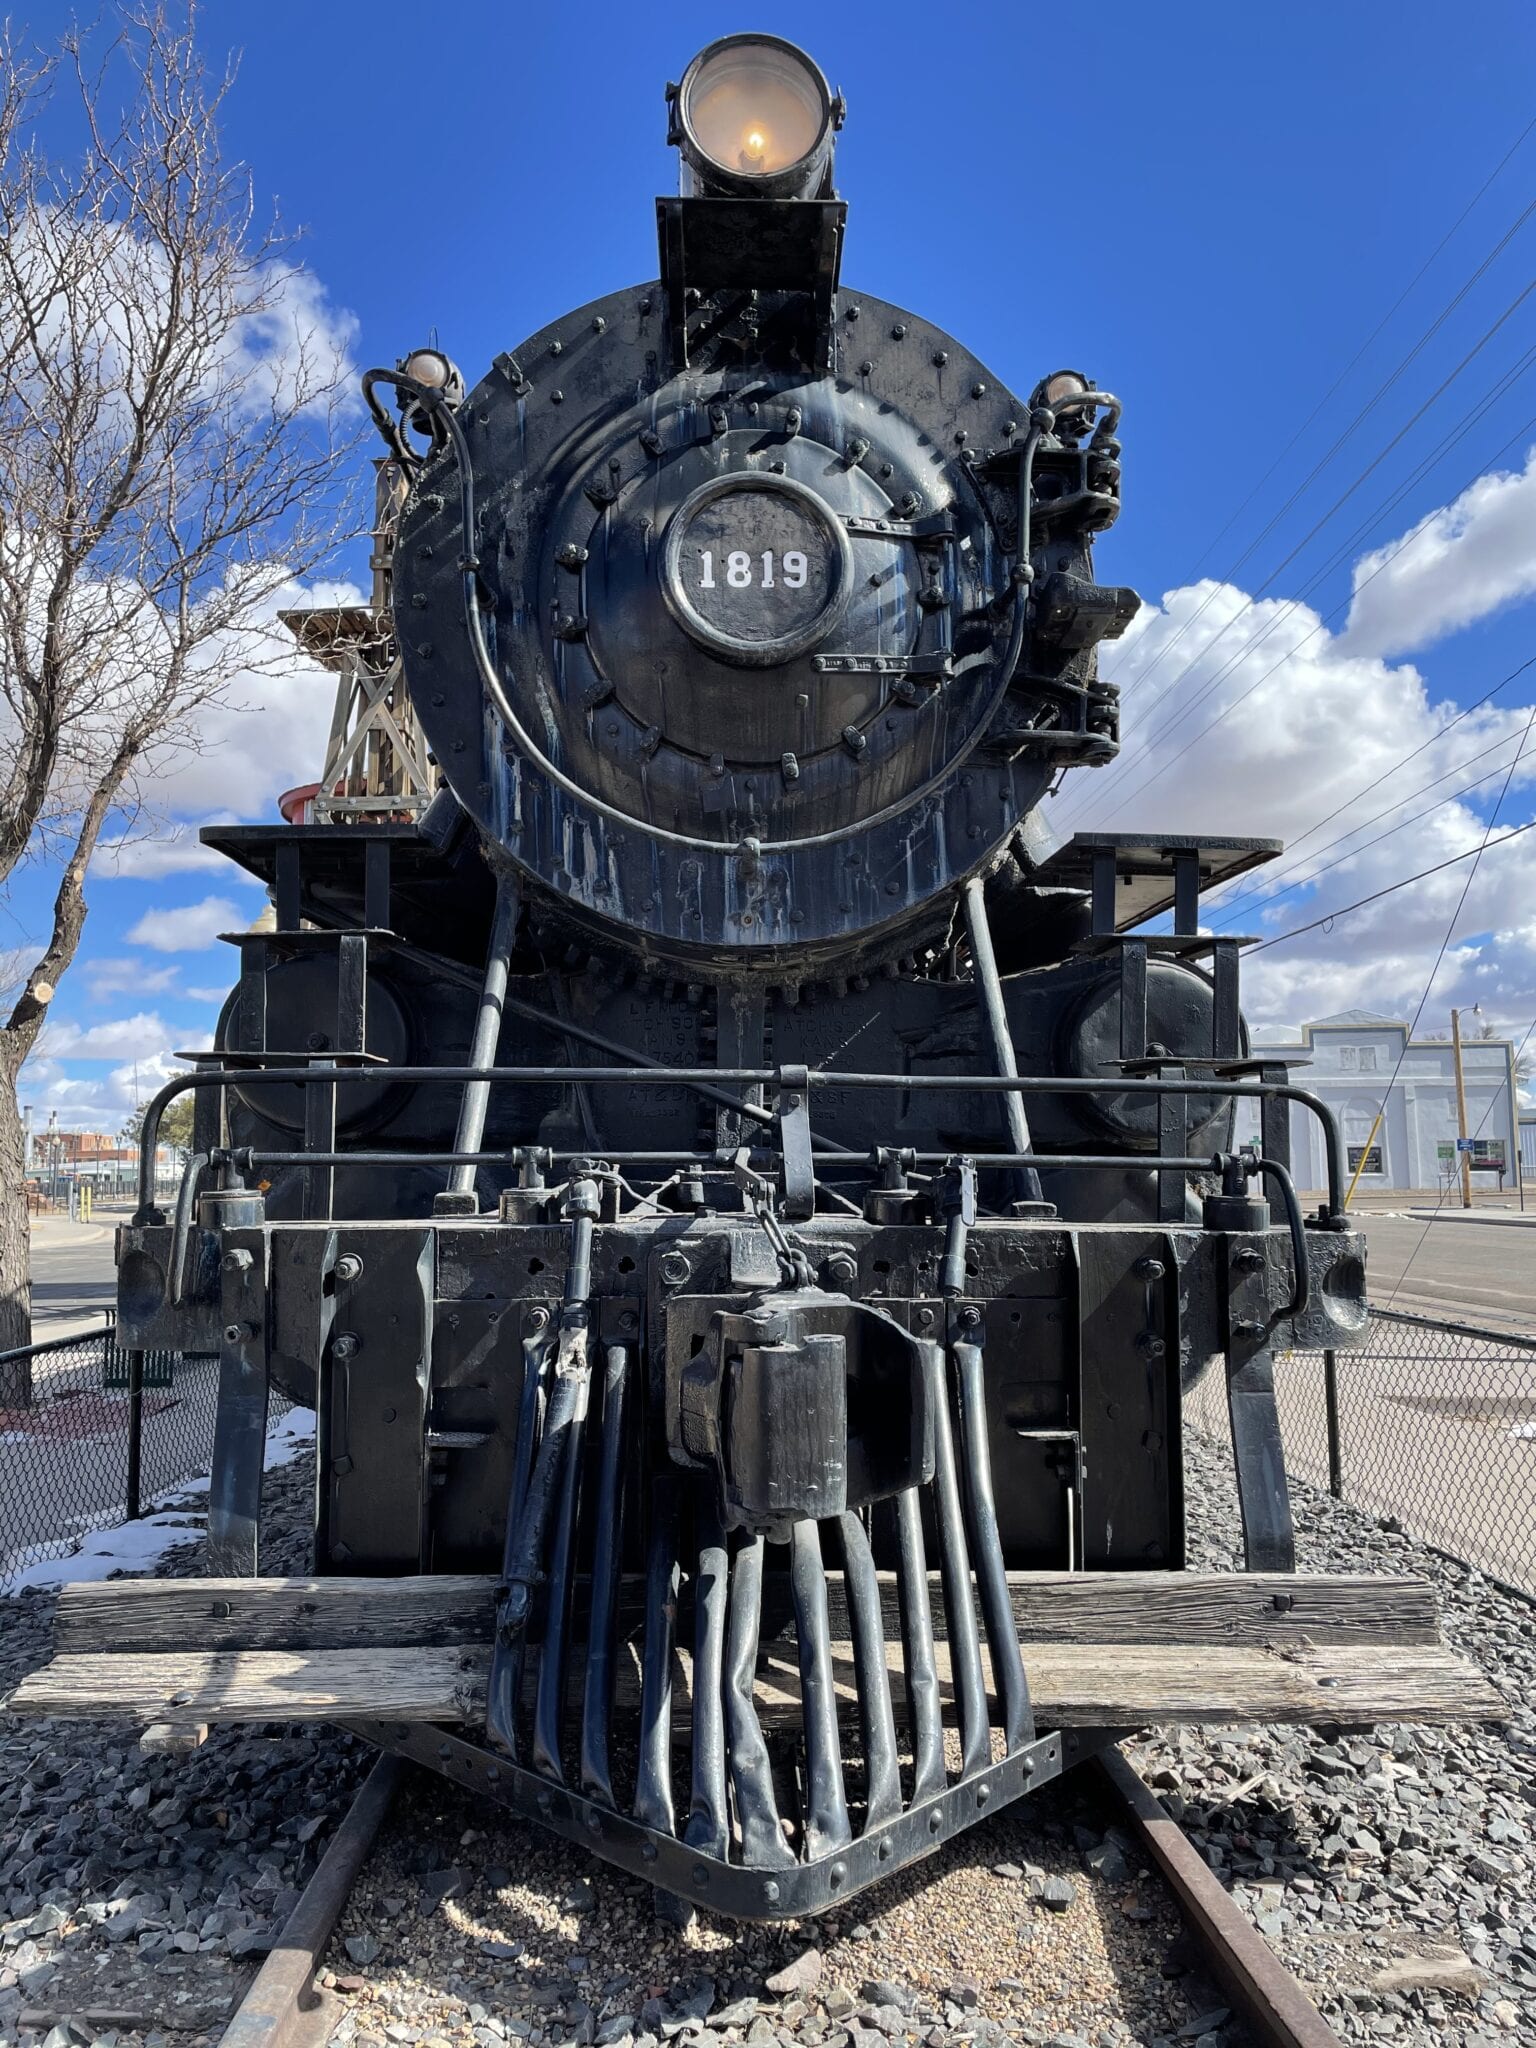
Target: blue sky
pixel 1210 207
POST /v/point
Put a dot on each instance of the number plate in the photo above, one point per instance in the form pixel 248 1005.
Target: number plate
pixel 756 568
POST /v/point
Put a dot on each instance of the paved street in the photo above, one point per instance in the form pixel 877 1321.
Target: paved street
pixel 73 1278
pixel 1481 1271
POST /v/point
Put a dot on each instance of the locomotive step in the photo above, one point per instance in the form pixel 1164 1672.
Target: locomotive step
pixel 1100 1649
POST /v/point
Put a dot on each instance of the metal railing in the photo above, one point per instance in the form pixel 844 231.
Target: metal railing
pixel 1430 1425
pixel 91 1436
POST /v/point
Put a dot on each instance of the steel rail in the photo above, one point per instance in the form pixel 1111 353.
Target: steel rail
pixel 279 2009
pixel 319 1075
pixel 1260 1987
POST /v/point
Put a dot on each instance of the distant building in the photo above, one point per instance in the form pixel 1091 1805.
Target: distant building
pixel 1362 1065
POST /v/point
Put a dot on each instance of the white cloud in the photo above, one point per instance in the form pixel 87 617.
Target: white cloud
pixel 265 735
pixel 146 856
pixel 1470 558
pixel 97 1102
pixel 207 995
pixel 189 929
pixel 141 1036
pixel 128 977
pixel 1313 721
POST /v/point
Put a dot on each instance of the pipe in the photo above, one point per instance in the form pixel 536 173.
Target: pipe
pixel 990 987
pixel 487 1036
pixel 630 1077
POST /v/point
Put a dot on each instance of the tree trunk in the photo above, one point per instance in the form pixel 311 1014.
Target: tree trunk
pixel 15 1246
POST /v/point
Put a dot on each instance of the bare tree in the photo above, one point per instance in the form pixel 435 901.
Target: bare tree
pixel 175 443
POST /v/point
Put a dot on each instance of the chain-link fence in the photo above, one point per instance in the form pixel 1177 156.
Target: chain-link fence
pixel 1430 1423
pixel 92 1435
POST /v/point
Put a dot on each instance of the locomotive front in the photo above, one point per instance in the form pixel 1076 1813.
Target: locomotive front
pixel 751 668
pixel 743 1206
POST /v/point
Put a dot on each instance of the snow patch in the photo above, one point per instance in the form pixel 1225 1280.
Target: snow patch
pixel 173 1522
pixel 132 1547
pixel 288 1436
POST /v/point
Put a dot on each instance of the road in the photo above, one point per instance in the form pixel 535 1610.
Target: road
pixel 73 1277
pixel 1479 1272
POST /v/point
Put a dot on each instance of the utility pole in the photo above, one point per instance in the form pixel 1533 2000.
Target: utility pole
pixel 1463 1156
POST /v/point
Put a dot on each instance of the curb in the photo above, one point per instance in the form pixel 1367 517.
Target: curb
pixel 1500 1218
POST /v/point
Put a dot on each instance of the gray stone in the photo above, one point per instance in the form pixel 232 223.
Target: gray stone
pixel 1057 1894
pixel 798 1977
pixel 1430 1973
pixel 886 1991
pixel 362 1948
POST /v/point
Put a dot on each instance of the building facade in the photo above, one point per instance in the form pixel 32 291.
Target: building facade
pixel 1364 1067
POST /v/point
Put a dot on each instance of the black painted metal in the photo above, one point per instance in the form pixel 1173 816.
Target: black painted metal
pixel 750 621
pixel 607 1540
pixel 955 1570
pixel 924 1710
pixel 808 1886
pixel 757 1810
pixel 877 1720
pixel 986 1546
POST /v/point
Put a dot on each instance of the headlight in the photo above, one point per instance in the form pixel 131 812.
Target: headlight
pixel 753 113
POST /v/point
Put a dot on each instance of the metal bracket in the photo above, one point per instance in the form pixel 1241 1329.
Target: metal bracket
pixel 934 667
pixel 794 1108
pixel 933 526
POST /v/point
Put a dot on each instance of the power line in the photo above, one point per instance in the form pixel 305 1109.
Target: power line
pixel 1444 943
pixel 1305 881
pixel 1472 852
pixel 1293 604
pixel 1389 555
pixel 1382 510
pixel 1387 773
pixel 1375 332
pixel 1364 412
pixel 1429 1223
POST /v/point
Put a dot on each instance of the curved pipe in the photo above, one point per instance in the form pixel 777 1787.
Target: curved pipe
pixel 1301 1293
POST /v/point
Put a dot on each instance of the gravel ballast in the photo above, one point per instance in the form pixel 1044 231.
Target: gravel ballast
pixel 1391 1871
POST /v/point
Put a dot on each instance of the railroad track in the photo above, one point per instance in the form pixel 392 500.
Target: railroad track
pixel 285 2009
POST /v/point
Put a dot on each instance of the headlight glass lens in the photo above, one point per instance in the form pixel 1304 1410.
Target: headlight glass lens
pixel 754 109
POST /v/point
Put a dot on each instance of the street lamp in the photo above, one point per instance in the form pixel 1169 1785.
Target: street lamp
pixel 1463 1151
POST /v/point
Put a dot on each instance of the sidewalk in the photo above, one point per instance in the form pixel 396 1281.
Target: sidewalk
pixel 1506 1219
pixel 51 1230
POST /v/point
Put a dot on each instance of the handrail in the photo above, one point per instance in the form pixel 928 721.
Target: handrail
pixel 322 1075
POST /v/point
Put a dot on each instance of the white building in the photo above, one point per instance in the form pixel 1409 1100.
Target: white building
pixel 1364 1066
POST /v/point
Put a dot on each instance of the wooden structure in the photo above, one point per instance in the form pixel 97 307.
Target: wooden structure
pixel 1101 1649
pixel 377 766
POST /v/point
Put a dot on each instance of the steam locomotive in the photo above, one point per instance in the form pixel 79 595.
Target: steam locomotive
pixel 743 1204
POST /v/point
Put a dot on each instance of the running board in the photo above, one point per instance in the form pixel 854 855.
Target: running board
pixel 1105 1649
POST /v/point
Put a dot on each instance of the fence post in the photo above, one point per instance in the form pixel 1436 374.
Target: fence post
pixel 1331 1406
pixel 135 1433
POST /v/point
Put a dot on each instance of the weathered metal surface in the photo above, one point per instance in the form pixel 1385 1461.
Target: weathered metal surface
pixel 744 1209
